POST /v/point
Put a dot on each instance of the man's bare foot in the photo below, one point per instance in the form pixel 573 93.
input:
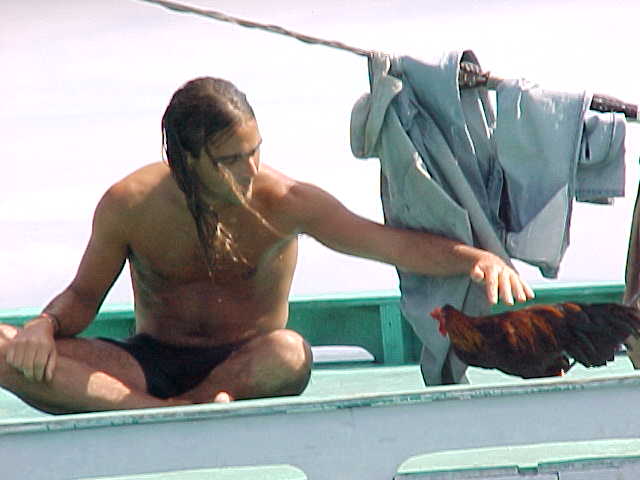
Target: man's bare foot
pixel 222 397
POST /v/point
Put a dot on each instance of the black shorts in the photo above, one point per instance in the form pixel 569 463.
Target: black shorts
pixel 170 370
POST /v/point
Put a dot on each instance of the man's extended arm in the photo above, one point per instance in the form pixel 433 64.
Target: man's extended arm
pixel 32 351
pixel 327 220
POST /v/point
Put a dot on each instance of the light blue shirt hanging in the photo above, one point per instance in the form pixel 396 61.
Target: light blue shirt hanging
pixel 504 183
pixel 552 149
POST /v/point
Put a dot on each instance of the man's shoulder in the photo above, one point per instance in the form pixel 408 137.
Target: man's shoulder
pixel 151 184
pixel 287 188
pixel 152 179
pixel 145 178
pixel 289 200
pixel 273 182
pixel 280 191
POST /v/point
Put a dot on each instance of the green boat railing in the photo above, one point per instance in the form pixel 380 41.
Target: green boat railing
pixel 371 320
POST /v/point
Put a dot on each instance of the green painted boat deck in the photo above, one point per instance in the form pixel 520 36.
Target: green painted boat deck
pixel 392 379
pixel 266 472
pixel 372 321
pixel 344 388
pixel 353 391
pixel 521 460
pixel 340 381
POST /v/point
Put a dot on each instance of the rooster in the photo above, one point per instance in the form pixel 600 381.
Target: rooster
pixel 538 341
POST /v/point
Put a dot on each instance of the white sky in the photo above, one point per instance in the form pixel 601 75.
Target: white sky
pixel 85 83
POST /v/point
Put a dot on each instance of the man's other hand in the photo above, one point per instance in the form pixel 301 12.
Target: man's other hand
pixel 33 350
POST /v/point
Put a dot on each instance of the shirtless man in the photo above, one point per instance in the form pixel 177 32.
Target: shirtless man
pixel 210 236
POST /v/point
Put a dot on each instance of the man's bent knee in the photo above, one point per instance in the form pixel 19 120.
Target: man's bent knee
pixel 291 361
pixel 299 359
pixel 292 348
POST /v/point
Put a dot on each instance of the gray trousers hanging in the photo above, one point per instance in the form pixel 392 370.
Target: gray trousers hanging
pixel 450 166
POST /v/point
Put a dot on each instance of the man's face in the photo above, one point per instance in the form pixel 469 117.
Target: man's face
pixel 237 152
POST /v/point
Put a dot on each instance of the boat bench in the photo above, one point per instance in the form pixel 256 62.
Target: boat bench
pixel 261 472
pixel 616 459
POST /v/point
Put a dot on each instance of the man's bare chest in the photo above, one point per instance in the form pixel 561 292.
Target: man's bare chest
pixel 170 249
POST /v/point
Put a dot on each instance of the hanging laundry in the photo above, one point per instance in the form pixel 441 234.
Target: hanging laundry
pixel 552 149
pixel 504 182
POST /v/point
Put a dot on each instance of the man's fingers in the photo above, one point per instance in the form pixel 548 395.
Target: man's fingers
pixel 17 358
pixel 491 285
pixel 522 290
pixel 31 361
pixel 490 279
pixel 477 275
pixel 517 288
pixel 528 290
pixel 39 365
pixel 28 363
pixel 51 365
pixel 11 355
pixel 504 281
pixel 501 282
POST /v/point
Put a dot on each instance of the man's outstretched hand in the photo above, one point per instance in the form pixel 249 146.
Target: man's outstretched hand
pixel 500 280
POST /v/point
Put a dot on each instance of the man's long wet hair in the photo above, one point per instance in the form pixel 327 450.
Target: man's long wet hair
pixel 201 110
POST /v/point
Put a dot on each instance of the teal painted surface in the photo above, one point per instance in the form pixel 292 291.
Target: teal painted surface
pixel 574 292
pixel 266 472
pixel 361 381
pixel 372 321
pixel 393 344
pixel 388 390
pixel 521 459
pixel 369 319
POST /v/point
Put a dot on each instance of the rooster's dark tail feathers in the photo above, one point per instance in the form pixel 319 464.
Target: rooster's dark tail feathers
pixel 595 331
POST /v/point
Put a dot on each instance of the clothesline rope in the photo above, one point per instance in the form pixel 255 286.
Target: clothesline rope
pixel 470 74
pixel 179 7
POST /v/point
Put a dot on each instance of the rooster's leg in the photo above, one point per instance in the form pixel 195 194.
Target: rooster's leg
pixel 559 368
